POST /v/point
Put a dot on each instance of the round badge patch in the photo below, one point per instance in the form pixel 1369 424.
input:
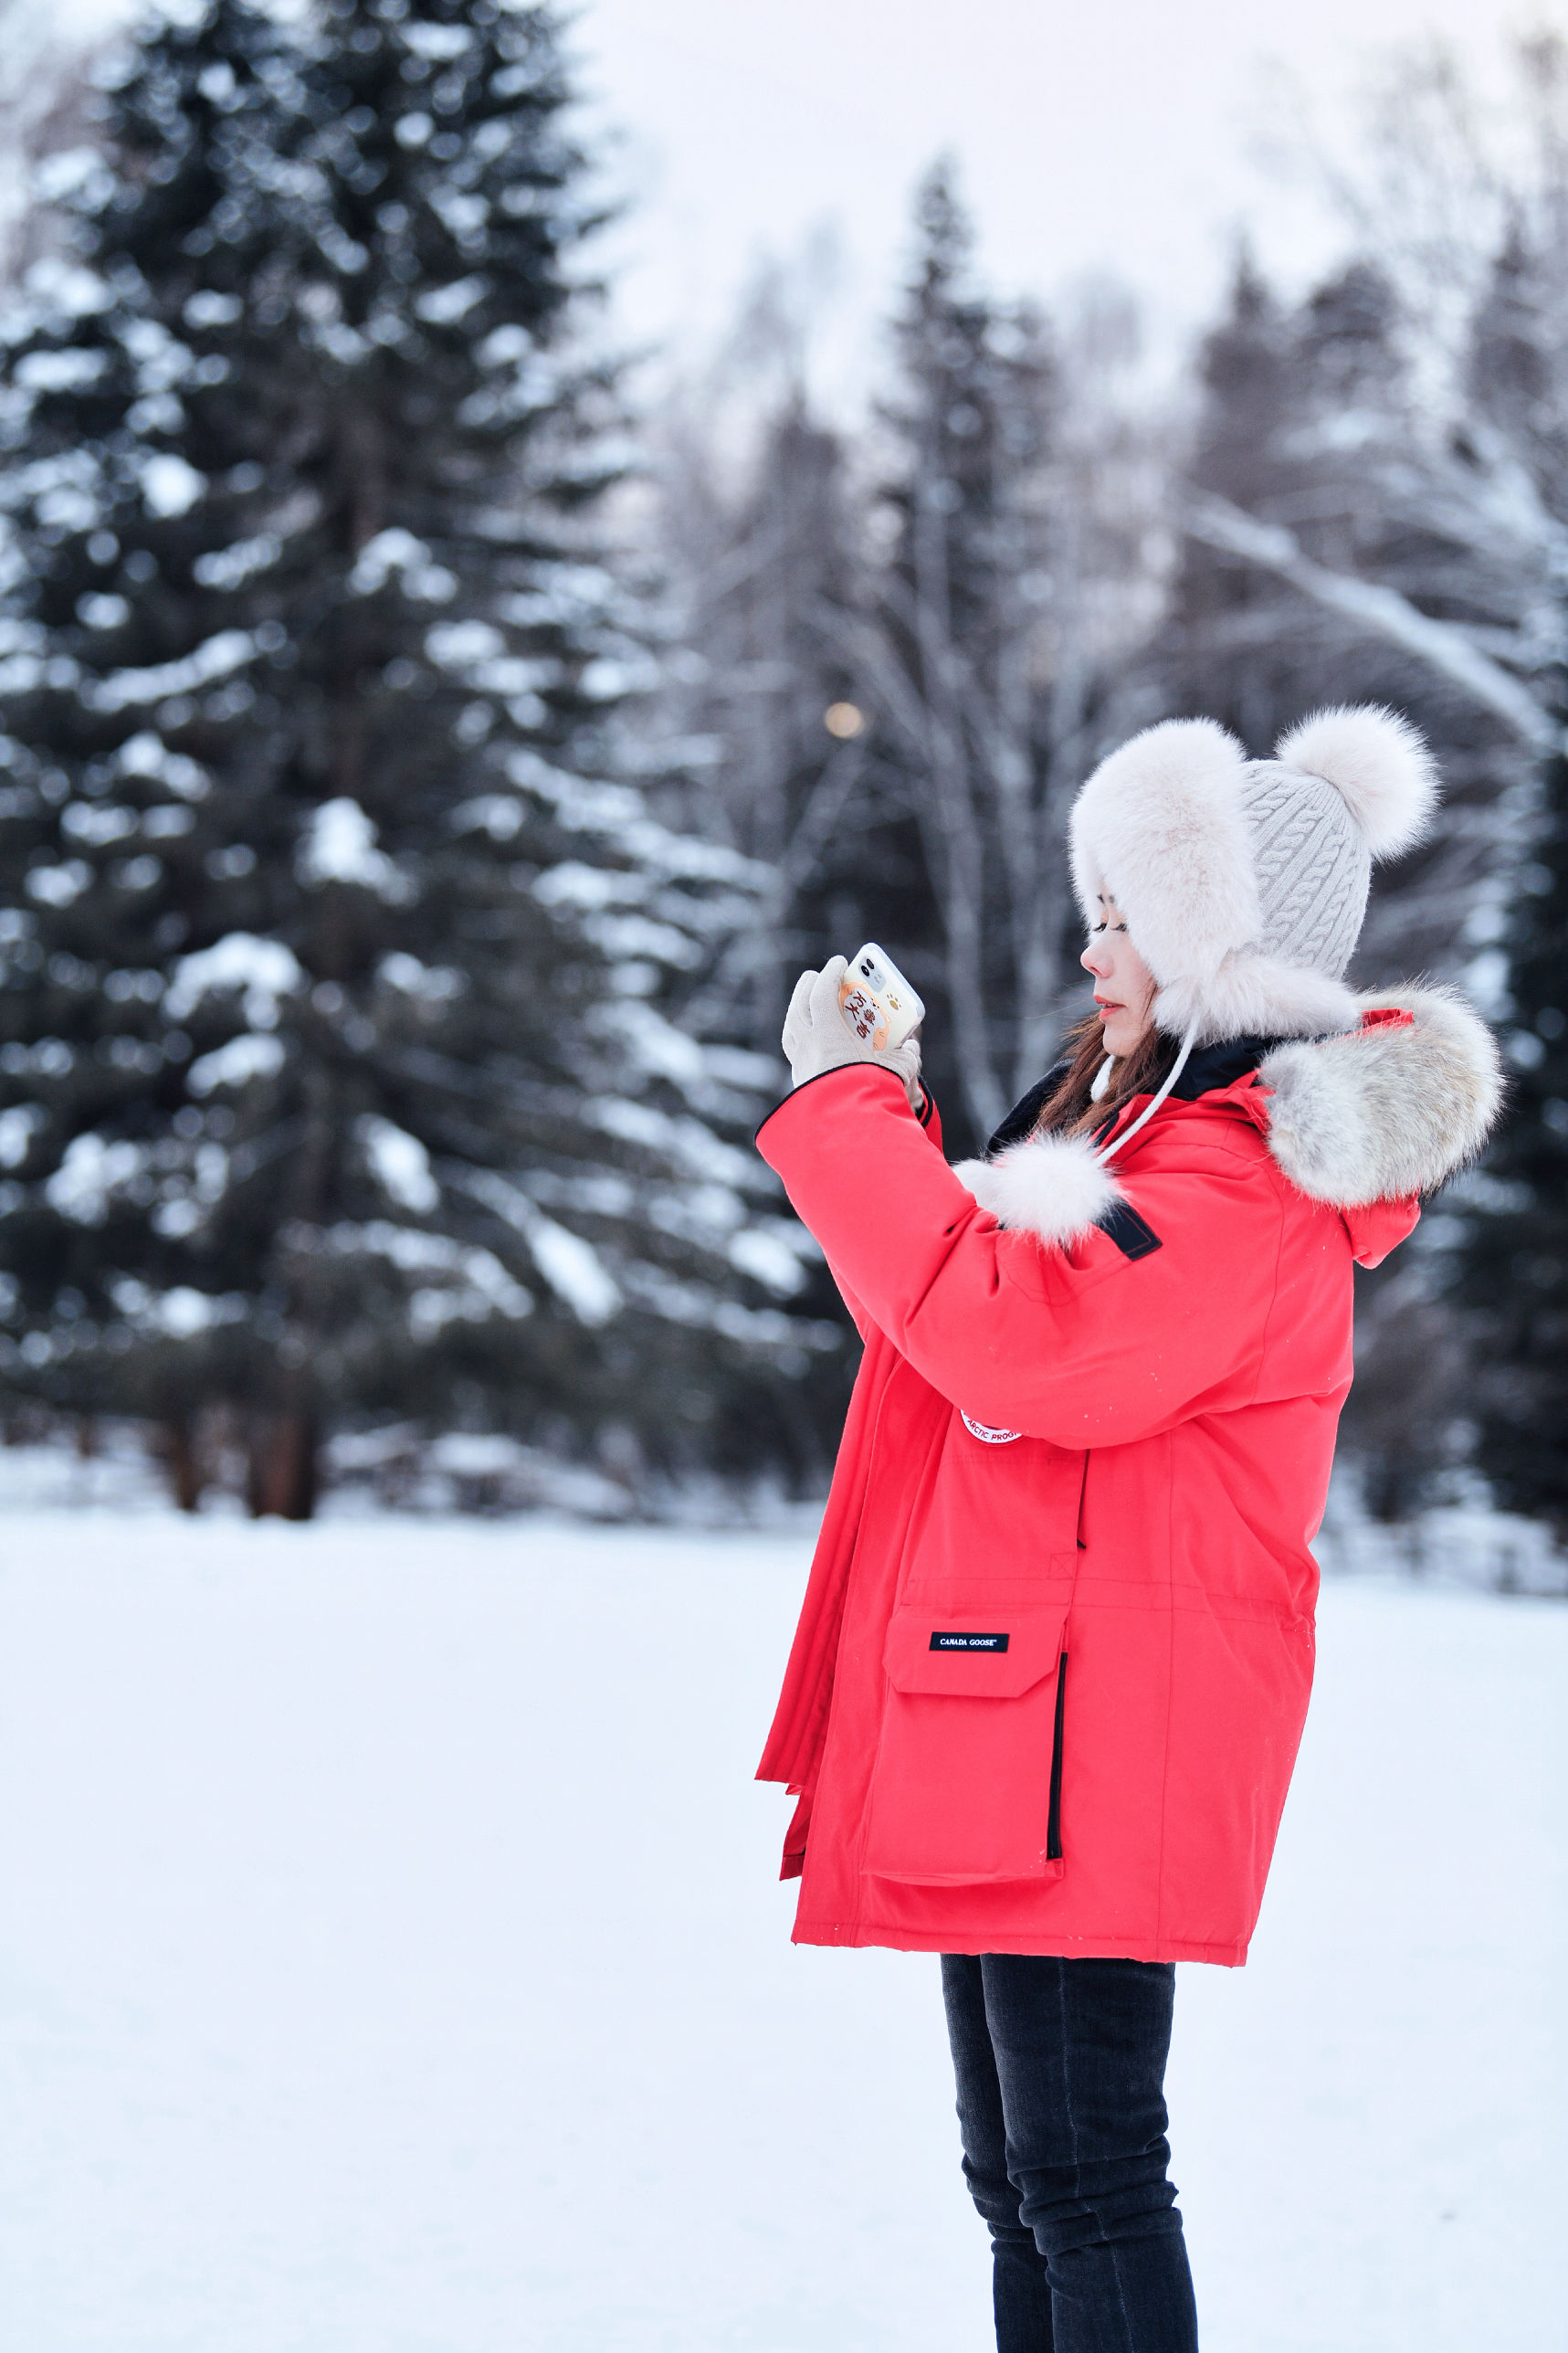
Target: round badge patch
pixel 982 1430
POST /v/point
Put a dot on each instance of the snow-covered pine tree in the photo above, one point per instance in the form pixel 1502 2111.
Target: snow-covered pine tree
pixel 1512 1269
pixel 1015 587
pixel 762 579
pixel 1437 528
pixel 946 662
pixel 340 1076
pixel 116 851
pixel 1512 1266
pixel 764 583
pixel 1313 428
pixel 1314 425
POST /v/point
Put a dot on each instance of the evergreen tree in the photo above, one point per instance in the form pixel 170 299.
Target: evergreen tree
pixel 766 582
pixel 965 636
pixel 1511 1272
pixel 972 412
pixel 1009 600
pixel 758 536
pixel 1310 421
pixel 342 1076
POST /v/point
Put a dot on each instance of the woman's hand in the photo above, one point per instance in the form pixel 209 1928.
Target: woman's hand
pixel 817 1036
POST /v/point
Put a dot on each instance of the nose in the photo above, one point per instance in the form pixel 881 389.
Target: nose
pixel 1096 958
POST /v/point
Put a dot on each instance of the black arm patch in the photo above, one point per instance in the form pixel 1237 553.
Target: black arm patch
pixel 1132 1235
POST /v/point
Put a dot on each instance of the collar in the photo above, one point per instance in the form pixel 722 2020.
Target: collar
pixel 1211 1068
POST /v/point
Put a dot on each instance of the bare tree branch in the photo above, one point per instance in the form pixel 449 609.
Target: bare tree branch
pixel 1444 645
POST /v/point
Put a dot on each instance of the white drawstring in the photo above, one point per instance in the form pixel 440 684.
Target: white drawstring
pixel 1177 1067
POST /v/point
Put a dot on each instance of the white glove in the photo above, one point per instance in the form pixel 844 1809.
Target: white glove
pixel 817 1036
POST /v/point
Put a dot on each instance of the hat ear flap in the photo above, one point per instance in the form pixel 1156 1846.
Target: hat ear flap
pixel 1378 764
pixel 1159 829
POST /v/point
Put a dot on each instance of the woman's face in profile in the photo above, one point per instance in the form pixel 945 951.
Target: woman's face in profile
pixel 1123 983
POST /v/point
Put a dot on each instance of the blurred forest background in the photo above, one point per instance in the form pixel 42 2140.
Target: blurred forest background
pixel 424 771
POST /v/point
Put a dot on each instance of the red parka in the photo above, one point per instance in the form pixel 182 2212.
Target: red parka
pixel 1056 1651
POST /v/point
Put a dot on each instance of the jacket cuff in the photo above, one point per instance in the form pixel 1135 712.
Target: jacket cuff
pixel 837 1071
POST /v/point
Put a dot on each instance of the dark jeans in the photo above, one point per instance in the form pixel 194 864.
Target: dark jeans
pixel 1061 2103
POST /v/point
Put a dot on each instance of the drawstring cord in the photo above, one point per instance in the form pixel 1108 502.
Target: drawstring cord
pixel 1177 1067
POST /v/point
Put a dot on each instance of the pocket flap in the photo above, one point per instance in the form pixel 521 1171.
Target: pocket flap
pixel 997 1654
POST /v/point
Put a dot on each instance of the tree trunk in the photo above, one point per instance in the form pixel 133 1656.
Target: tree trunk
pixel 284 1473
pixel 183 1457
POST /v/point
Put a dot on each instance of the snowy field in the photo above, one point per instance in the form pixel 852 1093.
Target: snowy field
pixel 392 1961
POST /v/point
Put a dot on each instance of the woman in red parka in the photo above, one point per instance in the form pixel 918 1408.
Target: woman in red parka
pixel 1054 1656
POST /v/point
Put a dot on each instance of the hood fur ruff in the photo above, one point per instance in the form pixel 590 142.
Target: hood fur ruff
pixel 1387 1112
pixel 1161 829
pixel 1366 1115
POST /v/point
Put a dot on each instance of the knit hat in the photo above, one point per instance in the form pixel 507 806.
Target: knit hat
pixel 1244 882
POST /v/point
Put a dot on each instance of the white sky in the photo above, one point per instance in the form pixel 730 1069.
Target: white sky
pixel 1090 134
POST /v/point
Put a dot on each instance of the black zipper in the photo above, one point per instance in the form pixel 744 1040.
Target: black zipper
pixel 1054 1817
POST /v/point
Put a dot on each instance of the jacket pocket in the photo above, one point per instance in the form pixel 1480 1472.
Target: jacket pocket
pixel 967 1785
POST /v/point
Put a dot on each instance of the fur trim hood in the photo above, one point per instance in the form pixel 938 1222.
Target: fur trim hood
pixel 1167 828
pixel 1392 1108
pixel 1383 1111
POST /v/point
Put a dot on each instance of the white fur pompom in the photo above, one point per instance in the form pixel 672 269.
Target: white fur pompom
pixel 1053 1187
pixel 1380 765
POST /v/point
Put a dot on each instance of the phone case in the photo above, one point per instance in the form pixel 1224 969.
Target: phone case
pixel 876 1000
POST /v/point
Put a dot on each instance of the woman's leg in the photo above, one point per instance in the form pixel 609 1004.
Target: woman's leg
pixel 1079 2049
pixel 1020 2287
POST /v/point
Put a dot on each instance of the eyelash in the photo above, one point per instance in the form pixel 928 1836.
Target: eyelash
pixel 1101 927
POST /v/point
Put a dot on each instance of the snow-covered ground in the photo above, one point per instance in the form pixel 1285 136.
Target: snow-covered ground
pixel 392 1961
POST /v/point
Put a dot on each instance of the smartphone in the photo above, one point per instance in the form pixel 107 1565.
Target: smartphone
pixel 876 1000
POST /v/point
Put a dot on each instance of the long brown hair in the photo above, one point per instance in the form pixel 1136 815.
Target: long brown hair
pixel 1069 1109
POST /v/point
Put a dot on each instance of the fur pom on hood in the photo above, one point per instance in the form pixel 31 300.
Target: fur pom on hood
pixel 1382 1111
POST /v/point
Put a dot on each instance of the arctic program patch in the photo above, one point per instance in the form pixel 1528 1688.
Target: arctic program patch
pixel 982 1429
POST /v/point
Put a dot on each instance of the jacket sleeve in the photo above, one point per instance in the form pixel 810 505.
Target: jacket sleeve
pixel 929 1119
pixel 1080 1345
